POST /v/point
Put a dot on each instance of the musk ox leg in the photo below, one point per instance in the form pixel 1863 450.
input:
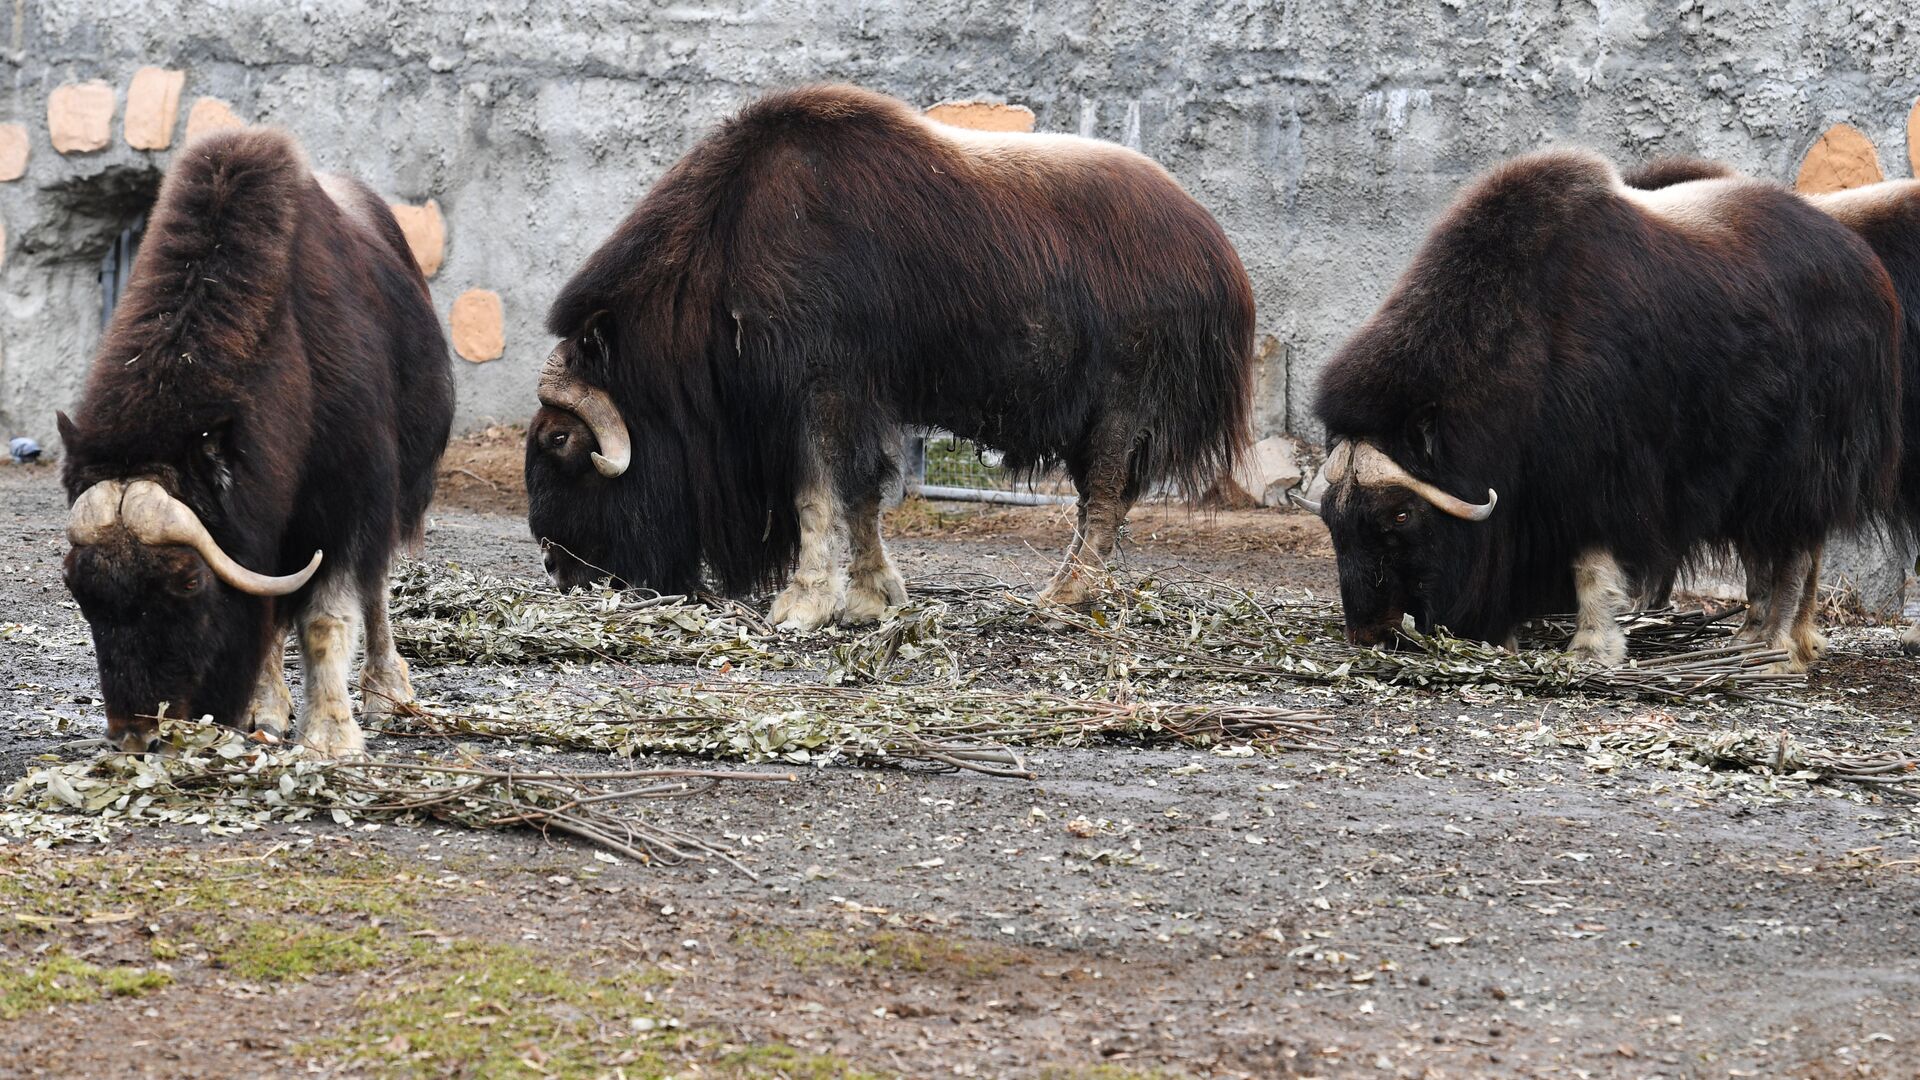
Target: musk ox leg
pixel 819 585
pixel 1602 590
pixel 327 630
pixel 875 585
pixel 1759 599
pixel 1105 498
pixel 385 686
pixel 270 712
pixel 1793 590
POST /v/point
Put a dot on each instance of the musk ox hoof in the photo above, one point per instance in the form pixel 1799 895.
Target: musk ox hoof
pixel 1072 589
pixel 269 714
pixel 386 690
pixel 802 609
pixel 1910 640
pixel 333 737
pixel 870 597
pixel 1604 649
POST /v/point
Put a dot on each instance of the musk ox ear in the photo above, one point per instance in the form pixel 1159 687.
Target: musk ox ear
pixel 216 453
pixel 594 335
pixel 69 431
pixel 1423 433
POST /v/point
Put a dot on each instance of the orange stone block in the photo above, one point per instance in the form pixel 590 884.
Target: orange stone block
pixel 14 147
pixel 1843 158
pixel 426 233
pixel 983 115
pixel 479 326
pixel 153 104
pixel 1913 138
pixel 210 114
pixel 80 117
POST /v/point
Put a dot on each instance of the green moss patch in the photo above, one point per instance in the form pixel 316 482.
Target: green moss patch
pixel 60 979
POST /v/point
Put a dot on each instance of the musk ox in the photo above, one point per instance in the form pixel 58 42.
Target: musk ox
pixel 737 359
pixel 257 434
pixel 1639 375
pixel 1887 217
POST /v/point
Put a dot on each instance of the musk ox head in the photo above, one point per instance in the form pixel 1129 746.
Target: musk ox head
pixel 609 494
pixel 1403 545
pixel 177 621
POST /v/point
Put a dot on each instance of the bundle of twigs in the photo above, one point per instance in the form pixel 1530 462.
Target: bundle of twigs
pixel 1209 631
pixel 214 777
pixel 447 615
pixel 972 728
pixel 1768 753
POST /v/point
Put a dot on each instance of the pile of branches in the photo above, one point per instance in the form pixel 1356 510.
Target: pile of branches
pixel 214 777
pixel 972 728
pixel 446 615
pixel 1764 753
pixel 1202 630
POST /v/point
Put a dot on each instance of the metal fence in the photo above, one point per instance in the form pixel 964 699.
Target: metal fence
pixel 940 465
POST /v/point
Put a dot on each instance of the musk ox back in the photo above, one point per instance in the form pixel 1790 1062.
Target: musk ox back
pixel 257 433
pixel 1638 375
pixel 737 359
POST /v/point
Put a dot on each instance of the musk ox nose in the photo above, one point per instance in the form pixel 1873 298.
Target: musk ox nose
pixel 135 741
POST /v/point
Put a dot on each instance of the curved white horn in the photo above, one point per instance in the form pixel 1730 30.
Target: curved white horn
pixel 1371 465
pixel 94 512
pixel 155 517
pixel 562 389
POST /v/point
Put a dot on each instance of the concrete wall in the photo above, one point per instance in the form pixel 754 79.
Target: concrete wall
pixel 1325 136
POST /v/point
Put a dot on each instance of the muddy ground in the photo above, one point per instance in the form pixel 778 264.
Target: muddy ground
pixel 1438 896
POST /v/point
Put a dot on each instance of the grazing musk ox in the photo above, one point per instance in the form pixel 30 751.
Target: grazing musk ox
pixel 1887 217
pixel 257 434
pixel 1639 375
pixel 737 359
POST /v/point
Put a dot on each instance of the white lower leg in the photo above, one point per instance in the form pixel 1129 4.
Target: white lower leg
pixel 271 710
pixel 385 686
pixel 875 585
pixel 1797 593
pixel 819 586
pixel 1602 591
pixel 327 632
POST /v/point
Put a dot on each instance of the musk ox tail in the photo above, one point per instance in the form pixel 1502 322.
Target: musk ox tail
pixel 1198 385
pixel 218 249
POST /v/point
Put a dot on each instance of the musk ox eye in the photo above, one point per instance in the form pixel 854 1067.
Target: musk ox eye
pixel 558 439
pixel 1402 518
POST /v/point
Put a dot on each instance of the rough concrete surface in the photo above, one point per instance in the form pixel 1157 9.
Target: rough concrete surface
pixel 1324 136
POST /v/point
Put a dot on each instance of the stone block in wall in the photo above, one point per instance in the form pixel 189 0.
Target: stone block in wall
pixel 153 104
pixel 3 245
pixel 479 326
pixel 210 114
pixel 80 117
pixel 426 233
pixel 1913 138
pixel 14 148
pixel 1841 158
pixel 983 115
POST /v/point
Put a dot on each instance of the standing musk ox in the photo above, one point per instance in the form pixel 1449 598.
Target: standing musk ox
pixel 737 360
pixel 257 434
pixel 1887 217
pixel 1639 375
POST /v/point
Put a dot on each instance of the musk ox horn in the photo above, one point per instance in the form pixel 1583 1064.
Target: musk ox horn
pixel 153 517
pixel 1370 466
pixel 562 389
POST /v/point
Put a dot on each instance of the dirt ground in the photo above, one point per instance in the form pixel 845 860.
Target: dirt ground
pixel 1438 896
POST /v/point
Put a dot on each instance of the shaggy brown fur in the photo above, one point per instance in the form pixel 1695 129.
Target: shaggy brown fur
pixel 830 265
pixel 276 364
